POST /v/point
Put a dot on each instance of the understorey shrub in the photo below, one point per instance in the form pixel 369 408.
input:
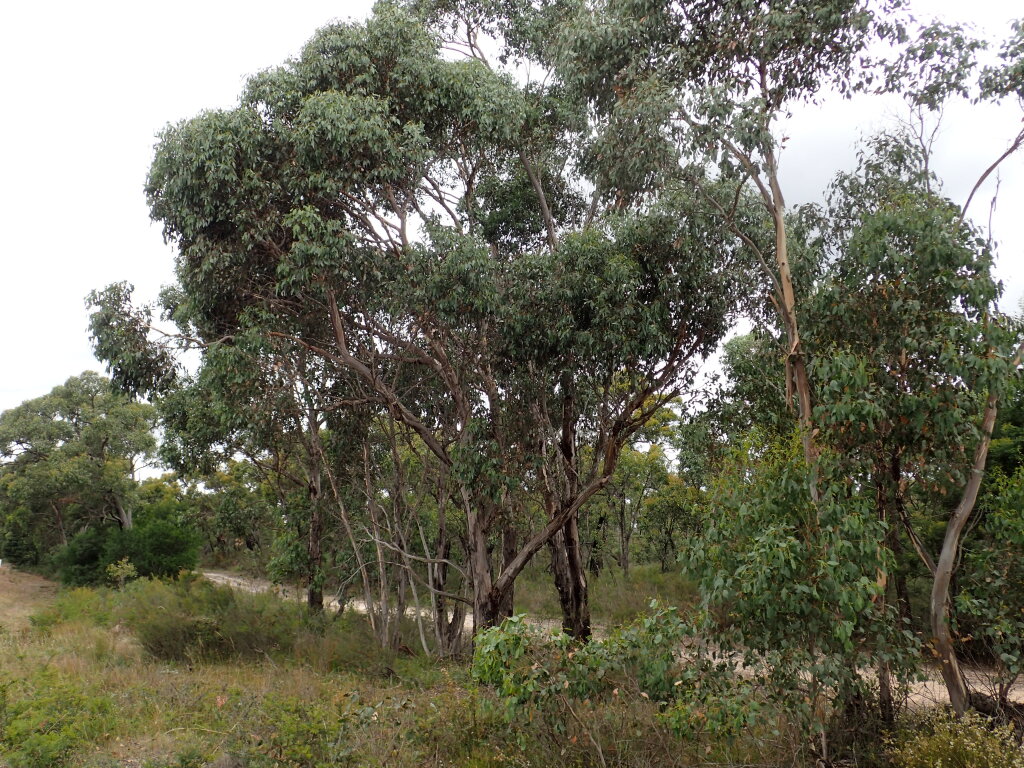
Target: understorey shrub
pixel 635 697
pixel 190 619
pixel 46 719
pixel 157 549
pixel 792 593
pixel 940 740
pixel 990 597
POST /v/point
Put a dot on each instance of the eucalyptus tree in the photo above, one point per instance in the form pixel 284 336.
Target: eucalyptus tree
pixel 295 424
pixel 712 81
pixel 906 385
pixel 423 219
pixel 229 508
pixel 69 459
pixel 709 83
pixel 639 475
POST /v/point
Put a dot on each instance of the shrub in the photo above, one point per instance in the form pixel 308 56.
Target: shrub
pixel 990 598
pixel 158 549
pixel 594 700
pixel 46 726
pixel 309 734
pixel 191 619
pixel 942 741
pixel 92 606
pixel 790 589
pixel 121 572
pixel 81 563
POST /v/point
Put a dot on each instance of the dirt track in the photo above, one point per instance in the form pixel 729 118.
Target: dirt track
pixel 21 595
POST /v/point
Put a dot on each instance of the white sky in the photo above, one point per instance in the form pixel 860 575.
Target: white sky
pixel 87 86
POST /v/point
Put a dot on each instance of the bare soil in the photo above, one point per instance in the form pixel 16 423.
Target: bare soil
pixel 21 595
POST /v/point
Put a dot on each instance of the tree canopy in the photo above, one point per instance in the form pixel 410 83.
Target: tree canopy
pixel 69 460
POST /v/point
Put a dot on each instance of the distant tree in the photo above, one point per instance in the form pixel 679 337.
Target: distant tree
pixel 639 475
pixel 673 512
pixel 68 461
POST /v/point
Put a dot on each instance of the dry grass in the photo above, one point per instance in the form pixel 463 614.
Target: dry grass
pixel 260 714
pixel 21 595
pixel 293 710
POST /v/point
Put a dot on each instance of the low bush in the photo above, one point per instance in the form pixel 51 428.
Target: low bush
pixel 627 698
pixel 303 734
pixel 190 619
pixel 940 740
pixel 91 606
pixel 45 719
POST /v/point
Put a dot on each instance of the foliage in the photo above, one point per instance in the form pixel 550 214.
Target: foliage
pixel 587 698
pixel 307 735
pixel 230 509
pixel 947 741
pixel 47 719
pixel 990 599
pixel 357 237
pixel 121 572
pixel 190 619
pixel 156 549
pixel 549 686
pixel 512 658
pixel 618 508
pixel 1007 451
pixel 67 461
pixel 387 252
pixel 673 512
pixel 791 588
pixel 77 604
pixel 907 381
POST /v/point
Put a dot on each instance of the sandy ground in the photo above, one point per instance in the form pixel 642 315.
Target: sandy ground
pixel 21 595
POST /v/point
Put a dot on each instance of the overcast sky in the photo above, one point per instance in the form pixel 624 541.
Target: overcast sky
pixel 87 86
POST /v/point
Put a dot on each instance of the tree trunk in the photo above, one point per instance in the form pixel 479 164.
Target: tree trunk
pixel 570 580
pixel 59 518
pixel 124 516
pixel 509 549
pixel 950 667
pixel 595 558
pixel 486 611
pixel 624 537
pixel 314 551
pixel 886 701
